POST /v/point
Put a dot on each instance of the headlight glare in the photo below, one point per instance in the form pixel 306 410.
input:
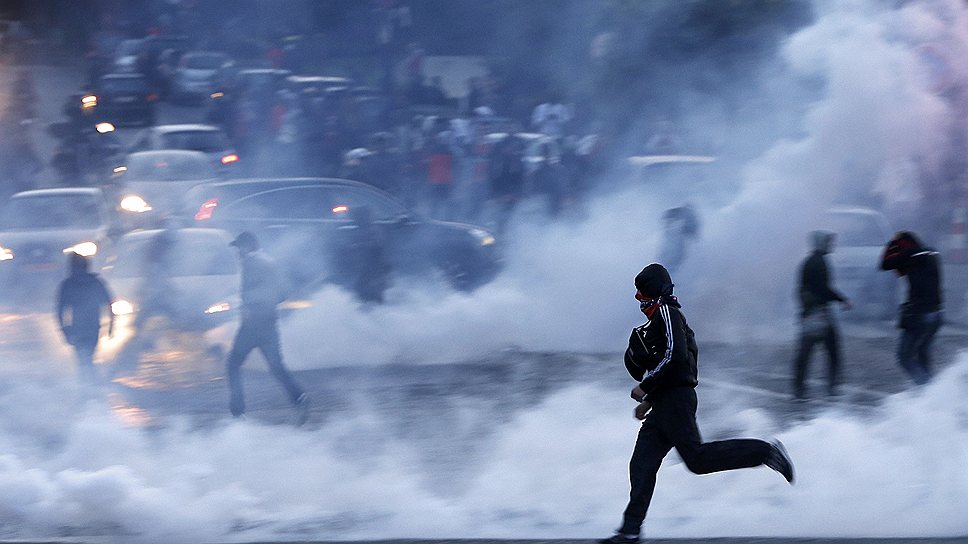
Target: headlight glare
pixel 84 249
pixel 218 308
pixel 6 254
pixel 122 307
pixel 134 204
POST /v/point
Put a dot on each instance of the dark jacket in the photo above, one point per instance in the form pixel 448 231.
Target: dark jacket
pixel 662 352
pixel 80 300
pixel 922 267
pixel 815 289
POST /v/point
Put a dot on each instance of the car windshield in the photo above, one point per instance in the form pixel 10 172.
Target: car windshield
pixel 123 84
pixel 51 212
pixel 181 256
pixel 176 167
pixel 856 229
pixel 203 62
pixel 206 141
pixel 130 47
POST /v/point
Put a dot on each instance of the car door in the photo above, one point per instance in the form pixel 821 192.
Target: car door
pixel 292 225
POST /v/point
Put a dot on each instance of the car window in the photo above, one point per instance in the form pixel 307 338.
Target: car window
pixel 345 199
pixel 184 256
pixel 206 141
pixel 123 85
pixel 856 229
pixel 284 203
pixel 203 62
pixel 52 212
pixel 168 168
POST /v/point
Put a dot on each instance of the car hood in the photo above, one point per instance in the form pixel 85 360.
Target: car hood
pixel 190 294
pixel 58 238
pixel 161 195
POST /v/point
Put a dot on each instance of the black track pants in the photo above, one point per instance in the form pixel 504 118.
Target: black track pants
pixel 672 424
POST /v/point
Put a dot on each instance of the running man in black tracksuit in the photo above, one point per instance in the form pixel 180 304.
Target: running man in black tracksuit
pixel 921 315
pixel 662 357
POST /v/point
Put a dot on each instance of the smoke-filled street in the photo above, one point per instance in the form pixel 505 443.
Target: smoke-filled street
pixel 429 219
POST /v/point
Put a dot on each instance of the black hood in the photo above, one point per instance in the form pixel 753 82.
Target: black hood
pixel 654 281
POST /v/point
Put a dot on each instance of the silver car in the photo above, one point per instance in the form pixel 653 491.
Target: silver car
pixel 189 276
pixel 39 228
pixel 151 184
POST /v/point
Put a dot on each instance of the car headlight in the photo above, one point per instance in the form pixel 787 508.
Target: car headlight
pixel 134 204
pixel 218 308
pixel 483 237
pixel 6 254
pixel 122 307
pixel 84 249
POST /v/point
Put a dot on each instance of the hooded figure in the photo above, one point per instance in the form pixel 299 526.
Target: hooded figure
pixel 817 322
pixel 81 299
pixel 662 357
pixel 921 315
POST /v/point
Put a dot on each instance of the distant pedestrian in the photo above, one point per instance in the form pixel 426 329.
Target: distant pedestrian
pixel 259 328
pixel 817 323
pixel 921 315
pixel 662 356
pixel 82 301
pixel 680 226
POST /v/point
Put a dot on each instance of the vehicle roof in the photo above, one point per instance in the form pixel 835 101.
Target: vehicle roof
pixel 318 79
pixel 289 182
pixel 65 191
pixel 187 127
pixel 856 210
pixel 201 52
pixel 194 232
pixel 162 153
pixel 648 160
pixel 123 76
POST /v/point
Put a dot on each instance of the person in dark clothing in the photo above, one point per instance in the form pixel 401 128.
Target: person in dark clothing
pixel 921 315
pixel 816 319
pixel 662 357
pixel 364 257
pixel 259 327
pixel 82 299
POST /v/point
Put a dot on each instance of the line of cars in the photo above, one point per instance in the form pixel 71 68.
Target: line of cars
pixel 308 224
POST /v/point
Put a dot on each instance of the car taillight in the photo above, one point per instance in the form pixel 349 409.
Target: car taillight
pixel 206 210
pixel 228 159
pixel 151 97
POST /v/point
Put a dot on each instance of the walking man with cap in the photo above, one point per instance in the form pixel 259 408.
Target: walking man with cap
pixel 662 357
pixel 259 328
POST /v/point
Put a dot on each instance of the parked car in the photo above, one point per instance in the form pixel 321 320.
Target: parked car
pixel 197 75
pixel 861 236
pixel 39 228
pixel 189 276
pixel 150 185
pixel 121 99
pixel 207 139
pixel 307 224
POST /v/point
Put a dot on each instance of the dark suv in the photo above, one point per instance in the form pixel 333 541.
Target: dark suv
pixel 308 225
pixel 122 99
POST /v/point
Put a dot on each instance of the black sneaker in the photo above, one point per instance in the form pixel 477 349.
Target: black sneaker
pixel 620 538
pixel 302 410
pixel 779 460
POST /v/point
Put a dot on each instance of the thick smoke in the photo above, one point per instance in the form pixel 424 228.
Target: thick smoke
pixel 844 105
